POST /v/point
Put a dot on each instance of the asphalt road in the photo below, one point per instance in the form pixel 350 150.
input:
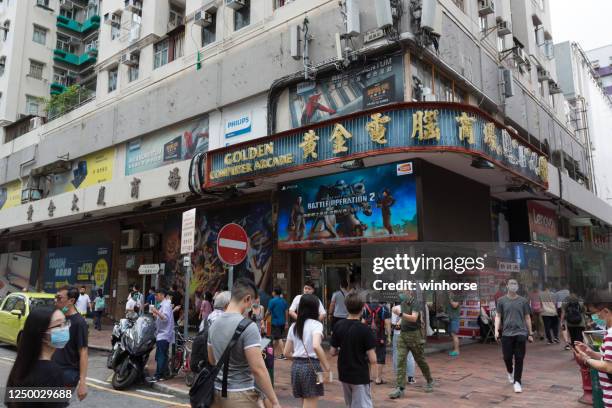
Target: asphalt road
pixel 100 392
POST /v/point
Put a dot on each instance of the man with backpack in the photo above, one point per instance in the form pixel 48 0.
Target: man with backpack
pixel 243 366
pixel 377 317
pixel 572 314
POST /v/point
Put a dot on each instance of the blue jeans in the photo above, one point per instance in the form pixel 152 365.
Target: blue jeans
pixel 98 319
pixel 161 357
pixel 409 360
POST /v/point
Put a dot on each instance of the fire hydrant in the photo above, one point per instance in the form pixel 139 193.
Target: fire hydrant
pixel 587 386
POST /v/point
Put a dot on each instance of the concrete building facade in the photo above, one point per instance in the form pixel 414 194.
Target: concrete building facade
pixel 601 58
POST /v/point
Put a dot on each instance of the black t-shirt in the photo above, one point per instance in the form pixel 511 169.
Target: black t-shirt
pixel 354 339
pixel 45 373
pixel 68 357
pixel 177 300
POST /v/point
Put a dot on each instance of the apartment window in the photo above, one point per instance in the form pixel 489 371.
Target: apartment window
pixel 133 73
pixel 2 64
pixel 40 35
pixel 169 49
pixel 112 79
pixel 63 43
pixel 483 23
pixel 459 3
pixel 281 3
pixel 242 16
pixel 42 3
pixel 7 27
pixel 32 105
pixel 160 53
pixel 501 46
pixel 209 33
pixel 115 32
pixel 67 13
pixel 36 69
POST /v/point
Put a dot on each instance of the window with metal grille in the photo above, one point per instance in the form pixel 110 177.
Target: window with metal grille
pixel 209 33
pixel 36 69
pixel 242 16
pixel 32 105
pixel 112 79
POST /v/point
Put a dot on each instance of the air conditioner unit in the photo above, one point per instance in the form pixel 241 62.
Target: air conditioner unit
pixel 503 28
pixel 508 83
pixel 353 26
pixel 295 41
pixel 203 18
pixel 74 41
pixel 235 4
pixel 486 7
pixel 543 75
pixel 36 122
pixel 554 88
pixel 521 56
pixel 130 239
pixel 130 59
pixel 66 4
pixel 135 6
pixel 112 19
pixel 149 240
pixel 384 13
pixel 430 16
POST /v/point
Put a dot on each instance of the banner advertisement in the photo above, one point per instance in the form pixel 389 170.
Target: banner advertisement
pixel 378 83
pixel 82 265
pixel 542 223
pixel 372 204
pixel 167 146
pixel 18 271
pixel 86 171
pixel 10 195
pixel 209 273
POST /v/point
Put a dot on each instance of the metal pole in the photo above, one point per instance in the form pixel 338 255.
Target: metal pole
pixel 186 310
pixel 230 277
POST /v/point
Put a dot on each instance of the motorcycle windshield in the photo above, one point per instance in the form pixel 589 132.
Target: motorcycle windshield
pixel 141 335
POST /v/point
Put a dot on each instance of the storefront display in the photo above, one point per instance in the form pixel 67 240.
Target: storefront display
pixel 377 203
pixel 79 265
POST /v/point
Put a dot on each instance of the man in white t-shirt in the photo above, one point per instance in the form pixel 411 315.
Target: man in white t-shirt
pixel 83 303
pixel 308 290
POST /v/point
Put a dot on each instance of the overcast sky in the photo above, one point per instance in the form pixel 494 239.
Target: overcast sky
pixel 588 22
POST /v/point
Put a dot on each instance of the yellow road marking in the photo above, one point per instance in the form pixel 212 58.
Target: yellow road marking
pixel 131 394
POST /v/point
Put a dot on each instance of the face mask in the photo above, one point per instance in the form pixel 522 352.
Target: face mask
pixel 403 297
pixel 64 309
pixel 513 287
pixel 255 304
pixel 595 318
pixel 60 336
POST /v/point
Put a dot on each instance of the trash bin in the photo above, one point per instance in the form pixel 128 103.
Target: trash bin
pixel 597 392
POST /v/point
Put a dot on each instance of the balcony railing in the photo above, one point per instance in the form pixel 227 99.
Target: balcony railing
pixel 79 60
pixel 92 23
pixel 69 100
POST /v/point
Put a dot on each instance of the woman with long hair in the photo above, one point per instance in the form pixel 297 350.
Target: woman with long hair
pixel 304 348
pixel 45 330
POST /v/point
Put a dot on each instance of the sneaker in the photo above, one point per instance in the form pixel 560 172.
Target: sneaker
pixel 517 387
pixel 556 340
pixel 429 387
pixel 152 379
pixel 396 393
pixel 411 380
pixel 549 342
pixel 511 378
pixel 568 347
pixel 453 353
pixel 281 357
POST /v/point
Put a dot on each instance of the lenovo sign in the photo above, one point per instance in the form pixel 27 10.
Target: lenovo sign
pixel 542 223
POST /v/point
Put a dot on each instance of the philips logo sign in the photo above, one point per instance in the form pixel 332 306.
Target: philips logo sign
pixel 238 127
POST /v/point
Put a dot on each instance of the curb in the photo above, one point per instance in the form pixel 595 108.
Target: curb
pixel 177 392
pixel 99 348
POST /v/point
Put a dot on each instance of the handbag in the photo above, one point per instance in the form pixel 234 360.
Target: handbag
pixel 202 392
pixel 318 374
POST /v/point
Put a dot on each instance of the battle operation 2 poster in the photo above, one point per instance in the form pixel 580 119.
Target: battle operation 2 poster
pixel 367 205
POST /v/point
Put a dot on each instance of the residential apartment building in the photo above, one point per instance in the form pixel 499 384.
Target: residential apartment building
pixel 601 58
pixel 233 107
pixel 590 109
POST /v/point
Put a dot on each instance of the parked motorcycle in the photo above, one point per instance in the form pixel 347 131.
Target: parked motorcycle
pixel 133 339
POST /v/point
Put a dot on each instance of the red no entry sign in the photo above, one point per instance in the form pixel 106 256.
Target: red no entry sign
pixel 232 244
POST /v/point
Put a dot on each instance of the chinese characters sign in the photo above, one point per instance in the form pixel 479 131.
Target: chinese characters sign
pixel 405 127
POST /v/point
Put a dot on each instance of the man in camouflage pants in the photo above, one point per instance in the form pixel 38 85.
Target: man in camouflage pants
pixel 410 340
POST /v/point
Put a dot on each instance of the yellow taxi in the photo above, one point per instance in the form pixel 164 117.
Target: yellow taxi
pixel 14 310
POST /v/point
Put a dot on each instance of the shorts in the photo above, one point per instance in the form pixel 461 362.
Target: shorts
pixel 278 332
pixel 381 351
pixel 304 378
pixel 453 326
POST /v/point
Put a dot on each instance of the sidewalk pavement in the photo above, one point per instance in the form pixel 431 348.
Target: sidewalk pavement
pixel 476 378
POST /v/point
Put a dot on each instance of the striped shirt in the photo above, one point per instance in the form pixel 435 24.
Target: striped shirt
pixel 604 380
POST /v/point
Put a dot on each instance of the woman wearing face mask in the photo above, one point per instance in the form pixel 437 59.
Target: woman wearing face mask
pixel 257 315
pixel 45 330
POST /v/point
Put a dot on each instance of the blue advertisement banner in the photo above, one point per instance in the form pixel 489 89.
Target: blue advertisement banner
pixel 377 203
pixel 405 127
pixel 167 146
pixel 82 265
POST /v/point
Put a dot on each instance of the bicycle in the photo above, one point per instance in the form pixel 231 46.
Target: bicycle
pixel 181 354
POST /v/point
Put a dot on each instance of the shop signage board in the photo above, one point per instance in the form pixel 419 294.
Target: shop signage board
pixel 241 125
pixel 542 223
pixel 232 244
pixel 403 127
pixel 370 204
pixel 188 231
pixel 86 171
pixel 10 195
pixel 87 265
pixel 148 269
pixel 512 267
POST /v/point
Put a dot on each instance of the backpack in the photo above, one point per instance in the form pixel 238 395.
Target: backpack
pixel 573 314
pixel 202 392
pixel 199 350
pixel 373 320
